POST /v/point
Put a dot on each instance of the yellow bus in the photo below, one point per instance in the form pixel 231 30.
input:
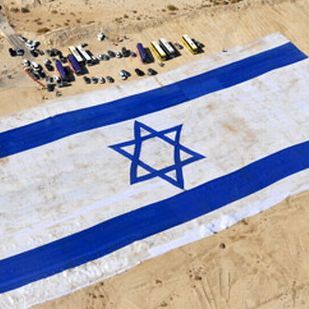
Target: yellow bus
pixel 158 51
pixel 190 44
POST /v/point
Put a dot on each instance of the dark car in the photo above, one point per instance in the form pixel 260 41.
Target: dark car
pixel 139 72
pixel 54 52
pixel 110 79
pixel 42 74
pixel 94 80
pixel 34 53
pixel 151 72
pixel 111 54
pixel 63 59
pixel 12 52
pixel 125 52
pixel 50 87
pixel 87 80
pixel 49 67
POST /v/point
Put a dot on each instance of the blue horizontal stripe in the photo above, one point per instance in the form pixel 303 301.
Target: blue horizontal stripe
pixel 123 230
pixel 66 124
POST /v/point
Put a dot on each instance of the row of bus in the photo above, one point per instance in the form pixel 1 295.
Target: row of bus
pixel 82 55
pixel 77 57
pixel 164 50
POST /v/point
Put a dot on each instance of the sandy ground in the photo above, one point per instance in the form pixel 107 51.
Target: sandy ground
pixel 260 262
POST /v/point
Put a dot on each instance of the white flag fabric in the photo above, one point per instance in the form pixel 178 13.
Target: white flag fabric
pixel 94 184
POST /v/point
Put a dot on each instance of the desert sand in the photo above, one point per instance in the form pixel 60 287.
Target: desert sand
pixel 258 263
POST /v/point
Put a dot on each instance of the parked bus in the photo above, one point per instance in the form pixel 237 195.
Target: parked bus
pixel 62 71
pixel 76 54
pixel 142 52
pixel 158 51
pixel 74 64
pixel 190 44
pixel 84 54
pixel 168 48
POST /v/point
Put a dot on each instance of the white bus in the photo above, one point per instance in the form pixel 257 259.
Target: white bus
pixel 190 44
pixel 84 54
pixel 158 51
pixel 168 48
pixel 75 53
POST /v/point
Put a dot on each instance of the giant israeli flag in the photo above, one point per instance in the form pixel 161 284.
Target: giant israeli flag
pixel 95 184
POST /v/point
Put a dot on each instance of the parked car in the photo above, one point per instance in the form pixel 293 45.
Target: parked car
pixel 30 46
pixel 111 54
pixel 57 79
pixel 50 87
pixel 54 52
pixel 101 36
pixel 63 59
pixel 110 79
pixel 47 61
pixel 42 74
pixel 87 79
pixel 104 57
pixel 20 52
pixel 49 67
pixel 139 72
pixel 151 72
pixel 124 74
pixel 36 67
pixel 125 52
pixel 34 53
pixel 118 55
pixel 94 80
pixel 26 63
pixel 101 80
pixel 36 44
pixel 12 52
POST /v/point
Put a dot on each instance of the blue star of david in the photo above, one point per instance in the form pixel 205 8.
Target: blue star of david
pixel 164 135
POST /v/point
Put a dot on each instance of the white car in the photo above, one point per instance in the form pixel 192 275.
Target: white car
pixel 35 66
pixel 31 47
pixel 101 36
pixel 26 63
pixel 101 80
pixel 47 61
pixel 124 74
